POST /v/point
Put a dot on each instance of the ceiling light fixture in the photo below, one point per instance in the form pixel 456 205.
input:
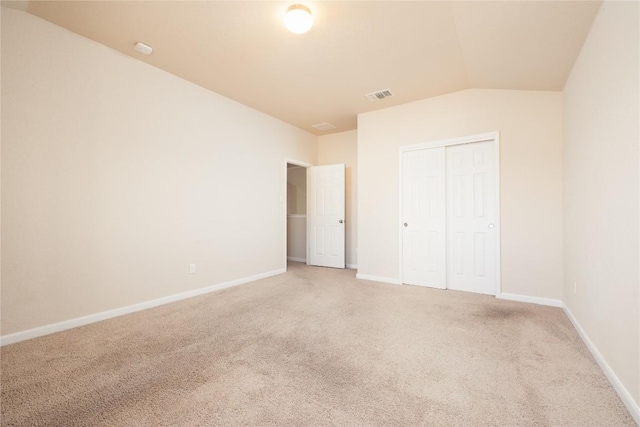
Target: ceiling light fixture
pixel 143 48
pixel 298 19
pixel 323 126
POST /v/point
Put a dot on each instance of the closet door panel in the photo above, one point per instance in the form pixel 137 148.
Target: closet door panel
pixel 471 217
pixel 423 218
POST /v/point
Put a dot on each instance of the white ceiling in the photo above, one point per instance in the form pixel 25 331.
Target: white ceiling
pixel 418 49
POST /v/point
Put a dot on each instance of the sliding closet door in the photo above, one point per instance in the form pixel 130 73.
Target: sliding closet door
pixel 471 217
pixel 423 218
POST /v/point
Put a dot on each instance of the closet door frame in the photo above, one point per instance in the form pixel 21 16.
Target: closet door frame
pixel 484 137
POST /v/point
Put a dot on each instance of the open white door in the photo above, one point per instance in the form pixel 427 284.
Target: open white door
pixel 423 218
pixel 325 216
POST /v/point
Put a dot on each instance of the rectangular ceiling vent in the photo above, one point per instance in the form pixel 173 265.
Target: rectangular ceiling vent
pixel 323 126
pixel 377 96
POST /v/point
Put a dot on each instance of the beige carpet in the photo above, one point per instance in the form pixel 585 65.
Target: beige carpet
pixel 314 347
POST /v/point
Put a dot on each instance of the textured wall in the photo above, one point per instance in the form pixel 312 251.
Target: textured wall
pixel 601 190
pixel 116 176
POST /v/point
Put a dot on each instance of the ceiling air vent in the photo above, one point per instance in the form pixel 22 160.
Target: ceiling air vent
pixel 377 96
pixel 323 126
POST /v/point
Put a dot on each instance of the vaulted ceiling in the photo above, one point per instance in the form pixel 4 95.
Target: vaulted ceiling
pixel 418 49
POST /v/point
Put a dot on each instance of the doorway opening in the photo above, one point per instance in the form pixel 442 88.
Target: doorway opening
pixel 296 211
pixel 314 213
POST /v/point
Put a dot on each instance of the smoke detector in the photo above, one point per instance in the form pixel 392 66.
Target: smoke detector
pixel 381 94
pixel 323 126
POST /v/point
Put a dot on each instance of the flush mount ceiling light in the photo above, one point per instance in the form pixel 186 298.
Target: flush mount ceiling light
pixel 298 19
pixel 143 48
pixel 323 126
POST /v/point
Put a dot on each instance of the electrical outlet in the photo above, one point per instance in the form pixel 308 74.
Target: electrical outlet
pixel 192 268
pixel 575 287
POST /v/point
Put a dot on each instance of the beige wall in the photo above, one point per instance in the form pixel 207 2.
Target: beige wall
pixel 340 148
pixel 601 190
pixel 297 190
pixel 530 126
pixel 115 177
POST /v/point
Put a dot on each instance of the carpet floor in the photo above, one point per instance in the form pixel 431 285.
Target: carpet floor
pixel 314 347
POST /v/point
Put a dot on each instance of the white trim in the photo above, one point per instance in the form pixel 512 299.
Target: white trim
pixel 623 393
pixel 482 137
pixel 284 199
pixel 297 162
pixel 489 136
pixel 352 266
pixel 400 218
pixel 296 215
pixel 532 300
pixel 498 218
pixel 391 280
pixel 97 317
pixel 290 258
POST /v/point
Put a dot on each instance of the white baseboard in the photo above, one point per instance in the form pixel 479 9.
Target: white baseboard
pixel 391 280
pixel 533 300
pixel 625 396
pixel 352 266
pixel 97 317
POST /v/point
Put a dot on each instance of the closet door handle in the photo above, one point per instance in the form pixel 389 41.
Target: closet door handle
pixel 491 225
pixel 341 221
pixel 406 225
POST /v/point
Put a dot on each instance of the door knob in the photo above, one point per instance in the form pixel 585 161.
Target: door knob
pixel 341 221
pixel 491 225
pixel 406 225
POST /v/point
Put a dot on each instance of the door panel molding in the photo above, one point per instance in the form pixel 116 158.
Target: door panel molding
pixel 471 217
pixel 424 218
pixel 484 137
pixel 325 215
